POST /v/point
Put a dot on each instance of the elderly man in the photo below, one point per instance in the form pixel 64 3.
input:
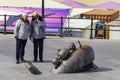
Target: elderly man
pixel 21 32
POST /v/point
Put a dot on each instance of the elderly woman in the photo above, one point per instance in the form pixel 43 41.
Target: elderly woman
pixel 38 35
pixel 21 32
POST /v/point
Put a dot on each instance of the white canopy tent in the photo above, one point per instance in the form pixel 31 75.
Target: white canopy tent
pixel 82 26
pixel 77 11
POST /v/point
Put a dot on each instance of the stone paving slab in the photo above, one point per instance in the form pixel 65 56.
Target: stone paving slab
pixel 107 58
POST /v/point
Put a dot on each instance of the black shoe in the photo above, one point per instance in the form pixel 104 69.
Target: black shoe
pixel 17 62
pixel 35 61
pixel 40 60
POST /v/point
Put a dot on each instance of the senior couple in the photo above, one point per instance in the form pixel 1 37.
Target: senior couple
pixel 24 30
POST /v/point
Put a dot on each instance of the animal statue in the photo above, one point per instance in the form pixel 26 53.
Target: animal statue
pixel 74 59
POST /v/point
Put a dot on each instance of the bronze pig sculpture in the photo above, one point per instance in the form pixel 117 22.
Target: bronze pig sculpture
pixel 74 59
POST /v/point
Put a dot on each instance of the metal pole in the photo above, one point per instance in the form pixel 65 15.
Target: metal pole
pixel 91 29
pixel 43 8
pixel 61 27
pixel 4 23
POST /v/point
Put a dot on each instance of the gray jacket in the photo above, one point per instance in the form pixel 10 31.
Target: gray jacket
pixel 22 29
pixel 37 29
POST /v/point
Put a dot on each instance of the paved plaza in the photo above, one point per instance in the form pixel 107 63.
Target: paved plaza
pixel 107 58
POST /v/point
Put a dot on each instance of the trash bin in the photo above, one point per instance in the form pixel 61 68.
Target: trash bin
pixel 100 30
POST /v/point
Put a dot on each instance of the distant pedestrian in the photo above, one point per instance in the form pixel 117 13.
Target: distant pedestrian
pixel 38 35
pixel 21 32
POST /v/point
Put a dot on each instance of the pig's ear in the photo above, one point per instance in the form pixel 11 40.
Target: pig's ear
pixel 80 45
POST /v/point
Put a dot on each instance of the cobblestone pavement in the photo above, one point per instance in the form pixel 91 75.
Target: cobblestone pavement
pixel 107 58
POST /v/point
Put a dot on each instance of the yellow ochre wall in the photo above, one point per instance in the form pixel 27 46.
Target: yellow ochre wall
pixel 91 2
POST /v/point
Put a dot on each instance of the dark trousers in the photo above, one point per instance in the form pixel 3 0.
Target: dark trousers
pixel 38 49
pixel 20 49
